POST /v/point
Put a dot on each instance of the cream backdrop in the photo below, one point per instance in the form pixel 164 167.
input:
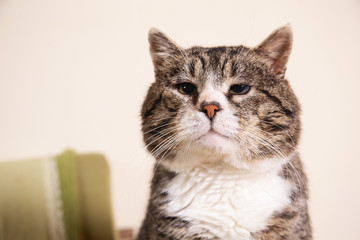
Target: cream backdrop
pixel 73 74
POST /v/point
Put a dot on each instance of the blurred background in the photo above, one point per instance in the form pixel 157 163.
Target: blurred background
pixel 73 74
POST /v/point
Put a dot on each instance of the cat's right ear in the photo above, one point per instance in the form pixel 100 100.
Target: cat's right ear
pixel 162 49
pixel 276 49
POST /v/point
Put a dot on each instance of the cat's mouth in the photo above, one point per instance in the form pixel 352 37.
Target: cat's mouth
pixel 214 133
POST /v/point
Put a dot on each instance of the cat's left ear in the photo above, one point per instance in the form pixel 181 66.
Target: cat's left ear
pixel 162 49
pixel 276 49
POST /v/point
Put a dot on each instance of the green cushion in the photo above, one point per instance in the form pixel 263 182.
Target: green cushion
pixel 62 197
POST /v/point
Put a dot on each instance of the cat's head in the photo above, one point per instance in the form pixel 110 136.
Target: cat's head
pixel 229 104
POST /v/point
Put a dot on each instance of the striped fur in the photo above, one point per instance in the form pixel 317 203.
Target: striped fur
pixel 247 133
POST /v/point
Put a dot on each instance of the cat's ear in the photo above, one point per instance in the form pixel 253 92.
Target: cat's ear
pixel 276 49
pixel 163 49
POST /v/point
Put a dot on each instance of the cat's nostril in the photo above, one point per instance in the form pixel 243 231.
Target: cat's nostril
pixel 210 109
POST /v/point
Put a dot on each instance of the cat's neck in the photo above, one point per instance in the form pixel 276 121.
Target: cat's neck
pixel 231 164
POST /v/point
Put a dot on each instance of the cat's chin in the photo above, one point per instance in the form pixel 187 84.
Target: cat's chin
pixel 214 139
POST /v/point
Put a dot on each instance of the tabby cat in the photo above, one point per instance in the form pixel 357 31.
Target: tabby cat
pixel 223 125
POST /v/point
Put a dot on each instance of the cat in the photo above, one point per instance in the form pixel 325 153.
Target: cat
pixel 223 125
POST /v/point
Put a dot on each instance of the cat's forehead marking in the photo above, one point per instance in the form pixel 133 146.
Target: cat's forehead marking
pixel 205 60
pixel 223 64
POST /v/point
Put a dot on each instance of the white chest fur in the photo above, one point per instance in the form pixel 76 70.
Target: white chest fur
pixel 227 202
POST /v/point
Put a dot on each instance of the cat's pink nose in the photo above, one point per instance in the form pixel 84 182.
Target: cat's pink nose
pixel 210 110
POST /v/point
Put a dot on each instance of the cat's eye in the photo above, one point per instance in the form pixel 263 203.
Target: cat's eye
pixel 186 88
pixel 239 89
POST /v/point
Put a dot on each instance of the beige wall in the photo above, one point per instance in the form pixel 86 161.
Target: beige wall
pixel 74 74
